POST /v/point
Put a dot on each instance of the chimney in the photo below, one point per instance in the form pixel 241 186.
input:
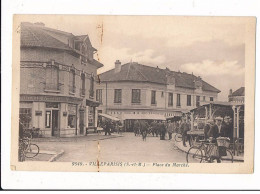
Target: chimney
pixel 230 92
pixel 117 66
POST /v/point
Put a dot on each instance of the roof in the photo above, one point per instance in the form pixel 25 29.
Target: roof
pixel 239 92
pixel 34 35
pixel 219 103
pixel 141 73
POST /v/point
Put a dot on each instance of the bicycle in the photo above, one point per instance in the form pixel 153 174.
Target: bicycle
pixel 27 149
pixel 208 152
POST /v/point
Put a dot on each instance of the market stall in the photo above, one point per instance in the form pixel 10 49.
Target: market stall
pixel 210 110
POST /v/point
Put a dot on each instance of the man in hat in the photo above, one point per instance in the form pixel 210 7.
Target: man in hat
pixel 184 128
pixel 228 127
pixel 217 129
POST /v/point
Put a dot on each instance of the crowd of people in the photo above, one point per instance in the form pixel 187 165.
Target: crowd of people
pixel 213 128
pixel 160 129
pixel 110 126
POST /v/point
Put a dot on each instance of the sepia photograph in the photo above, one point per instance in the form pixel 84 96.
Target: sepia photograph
pixel 133 93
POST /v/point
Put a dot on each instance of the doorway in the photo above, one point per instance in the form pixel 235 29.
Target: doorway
pixel 55 123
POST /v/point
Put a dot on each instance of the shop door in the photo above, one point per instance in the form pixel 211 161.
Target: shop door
pixel 81 122
pixel 55 123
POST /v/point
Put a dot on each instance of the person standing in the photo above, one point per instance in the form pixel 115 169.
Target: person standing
pixel 107 127
pixel 184 128
pixel 153 128
pixel 162 128
pixel 170 129
pixel 136 127
pixel 144 129
pixel 217 129
pixel 207 128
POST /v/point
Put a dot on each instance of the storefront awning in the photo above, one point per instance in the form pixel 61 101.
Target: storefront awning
pixel 108 117
pixel 92 103
pixel 144 117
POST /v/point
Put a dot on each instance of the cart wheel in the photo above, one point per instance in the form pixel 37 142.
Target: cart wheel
pixel 178 137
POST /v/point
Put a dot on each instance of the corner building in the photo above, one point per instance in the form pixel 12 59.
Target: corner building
pixel 57 86
pixel 134 90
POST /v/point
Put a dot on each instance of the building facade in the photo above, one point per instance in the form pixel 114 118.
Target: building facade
pixel 58 81
pixel 135 89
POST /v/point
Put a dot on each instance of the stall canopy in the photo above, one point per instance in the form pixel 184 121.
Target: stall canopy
pixel 144 117
pixel 108 117
pixel 174 118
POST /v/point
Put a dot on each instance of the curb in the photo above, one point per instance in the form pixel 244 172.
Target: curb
pixel 55 157
pixel 236 160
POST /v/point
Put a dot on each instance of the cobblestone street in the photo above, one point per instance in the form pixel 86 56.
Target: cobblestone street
pixel 126 147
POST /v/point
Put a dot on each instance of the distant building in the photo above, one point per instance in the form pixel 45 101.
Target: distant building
pixel 237 96
pixel 57 81
pixel 135 89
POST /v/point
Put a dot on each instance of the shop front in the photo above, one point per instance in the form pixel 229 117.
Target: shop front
pixel 54 116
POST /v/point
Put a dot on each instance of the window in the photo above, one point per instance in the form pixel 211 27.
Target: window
pixel 25 116
pixel 99 95
pixel 170 100
pixel 72 116
pixel 153 97
pixel 91 116
pixel 204 98
pixel 52 78
pixel 211 99
pixel 136 95
pixel 178 100
pixel 188 100
pixel 82 92
pixel 197 101
pixel 118 96
pixel 48 119
pixel 72 81
pixel 91 90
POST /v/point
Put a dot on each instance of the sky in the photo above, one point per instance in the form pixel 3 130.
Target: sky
pixel 210 47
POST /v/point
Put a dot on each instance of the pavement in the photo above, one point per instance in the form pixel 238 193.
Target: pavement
pixel 179 146
pixel 124 147
pixel 52 153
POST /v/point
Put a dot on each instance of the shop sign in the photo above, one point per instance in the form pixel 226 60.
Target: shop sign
pixel 45 98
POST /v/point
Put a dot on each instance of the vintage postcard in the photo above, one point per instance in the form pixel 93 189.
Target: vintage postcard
pixel 133 94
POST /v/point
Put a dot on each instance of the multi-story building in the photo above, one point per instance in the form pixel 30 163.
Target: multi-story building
pixel 237 96
pixel 134 90
pixel 58 76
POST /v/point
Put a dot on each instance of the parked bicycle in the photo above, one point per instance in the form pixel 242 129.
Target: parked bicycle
pixel 27 149
pixel 210 152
